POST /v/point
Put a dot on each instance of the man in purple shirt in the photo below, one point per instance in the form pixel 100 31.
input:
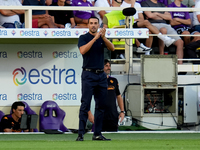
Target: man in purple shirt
pixel 181 22
pixel 81 16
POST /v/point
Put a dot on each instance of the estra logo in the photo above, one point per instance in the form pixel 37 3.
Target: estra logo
pixel 65 96
pixel 29 96
pixel 29 54
pixel 3 54
pixel 29 33
pixel 16 72
pixel 124 33
pixel 60 33
pixel 3 97
pixel 44 76
pixel 66 54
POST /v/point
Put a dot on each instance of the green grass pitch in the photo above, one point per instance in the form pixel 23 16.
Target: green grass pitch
pixel 120 141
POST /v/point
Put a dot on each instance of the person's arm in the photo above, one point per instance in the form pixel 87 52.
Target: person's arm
pixel 151 15
pixel 90 117
pixel 72 22
pixel 173 22
pixel 59 25
pixel 165 16
pixel 105 26
pixel 48 2
pixel 85 48
pixel 7 12
pixel 105 22
pixel 102 13
pixel 177 21
pixel 18 11
pixel 121 106
pixel 140 17
pixel 108 44
pixel 7 130
pixel 198 17
pixel 80 21
pixel 41 16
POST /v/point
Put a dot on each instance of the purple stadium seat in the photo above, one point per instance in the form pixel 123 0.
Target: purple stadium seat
pixel 51 117
pixel 1 115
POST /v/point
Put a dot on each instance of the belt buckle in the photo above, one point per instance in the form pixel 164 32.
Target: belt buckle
pixel 98 71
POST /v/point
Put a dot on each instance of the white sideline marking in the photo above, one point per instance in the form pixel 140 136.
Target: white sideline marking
pixel 121 132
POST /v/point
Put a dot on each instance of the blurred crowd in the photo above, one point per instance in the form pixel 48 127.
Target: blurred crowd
pixel 160 23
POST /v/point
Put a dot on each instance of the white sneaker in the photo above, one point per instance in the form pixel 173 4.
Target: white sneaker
pixel 169 41
pixel 143 49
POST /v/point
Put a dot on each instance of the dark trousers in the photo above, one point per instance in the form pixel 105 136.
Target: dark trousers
pixel 190 51
pixel 110 125
pixel 92 84
pixel 8 25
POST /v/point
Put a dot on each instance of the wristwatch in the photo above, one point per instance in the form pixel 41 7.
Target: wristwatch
pixel 122 112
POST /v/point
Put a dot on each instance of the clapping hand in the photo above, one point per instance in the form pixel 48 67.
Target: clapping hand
pixel 103 32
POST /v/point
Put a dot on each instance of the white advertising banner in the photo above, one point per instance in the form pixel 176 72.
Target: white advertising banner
pixel 38 72
pixel 71 33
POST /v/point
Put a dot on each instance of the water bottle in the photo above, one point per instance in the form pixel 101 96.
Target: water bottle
pixel 68 25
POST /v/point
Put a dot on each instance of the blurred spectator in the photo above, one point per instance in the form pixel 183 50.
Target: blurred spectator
pixel 40 19
pixel 81 16
pixel 196 17
pixel 116 18
pixel 166 2
pixel 188 3
pixel 9 17
pixel 191 51
pixel 159 20
pixel 49 2
pixel 181 22
pixel 62 16
pixel 100 13
pixel 139 22
pixel 92 1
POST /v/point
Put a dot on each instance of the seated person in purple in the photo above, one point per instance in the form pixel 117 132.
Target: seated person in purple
pixel 11 123
pixel 62 17
pixel 81 16
pixel 181 23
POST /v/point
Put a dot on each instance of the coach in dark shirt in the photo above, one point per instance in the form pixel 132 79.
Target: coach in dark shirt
pixel 94 80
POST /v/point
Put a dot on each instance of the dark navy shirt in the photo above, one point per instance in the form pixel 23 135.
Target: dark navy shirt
pixel 94 58
pixel 35 3
pixel 8 122
pixel 111 112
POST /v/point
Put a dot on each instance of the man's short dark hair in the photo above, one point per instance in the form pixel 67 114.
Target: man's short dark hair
pixel 93 18
pixel 106 61
pixel 16 104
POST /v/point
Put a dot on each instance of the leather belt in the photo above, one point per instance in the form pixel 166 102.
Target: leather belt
pixel 94 70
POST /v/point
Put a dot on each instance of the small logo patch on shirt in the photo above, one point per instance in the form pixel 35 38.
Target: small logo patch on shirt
pixel 110 87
